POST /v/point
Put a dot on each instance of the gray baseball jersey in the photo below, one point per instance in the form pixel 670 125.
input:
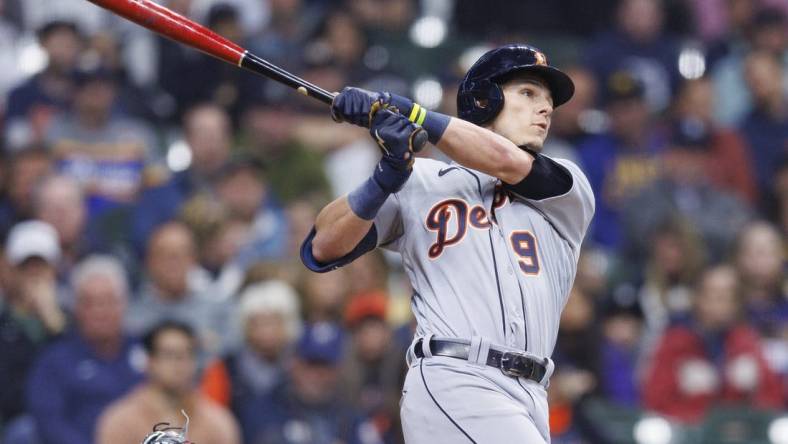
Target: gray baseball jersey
pixel 487 266
pixel 483 261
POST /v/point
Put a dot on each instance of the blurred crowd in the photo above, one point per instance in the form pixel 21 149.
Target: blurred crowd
pixel 154 200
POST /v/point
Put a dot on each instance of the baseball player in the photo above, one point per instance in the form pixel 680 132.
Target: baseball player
pixel 489 241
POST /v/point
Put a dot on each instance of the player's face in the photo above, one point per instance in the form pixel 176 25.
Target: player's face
pixel 526 113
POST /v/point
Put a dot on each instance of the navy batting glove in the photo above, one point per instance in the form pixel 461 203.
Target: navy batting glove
pixel 355 105
pixel 398 138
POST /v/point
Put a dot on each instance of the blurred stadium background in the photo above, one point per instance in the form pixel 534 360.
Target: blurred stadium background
pixel 154 200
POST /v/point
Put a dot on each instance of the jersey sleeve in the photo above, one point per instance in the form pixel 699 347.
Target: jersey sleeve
pixel 571 212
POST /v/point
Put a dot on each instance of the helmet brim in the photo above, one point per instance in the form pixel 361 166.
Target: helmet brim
pixel 561 86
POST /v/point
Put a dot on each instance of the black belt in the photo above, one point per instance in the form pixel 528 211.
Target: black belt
pixel 511 363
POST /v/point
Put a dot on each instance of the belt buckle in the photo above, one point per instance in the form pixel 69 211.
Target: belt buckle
pixel 513 364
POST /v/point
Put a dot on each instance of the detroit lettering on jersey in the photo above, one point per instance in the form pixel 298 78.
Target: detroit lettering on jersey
pixel 451 218
pixel 483 260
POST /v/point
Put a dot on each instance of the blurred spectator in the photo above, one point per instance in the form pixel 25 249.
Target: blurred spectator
pixel 760 261
pixel 282 41
pixel 309 407
pixel 75 378
pixel 32 105
pixel 662 286
pixel 25 169
pixel 685 191
pixel 766 126
pixel 168 290
pixel 711 358
pixel 324 294
pixel 621 350
pixel 172 350
pixel 211 80
pixel 622 161
pixel 208 134
pixel 373 370
pixel 577 365
pixel 247 225
pixel 59 201
pixel 242 189
pixel 104 151
pixel 270 323
pixel 293 166
pixel 638 44
pixel 768 32
pixel 729 163
pixel 492 19
pixel 29 315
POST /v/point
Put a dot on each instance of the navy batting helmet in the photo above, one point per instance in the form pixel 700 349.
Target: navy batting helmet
pixel 480 97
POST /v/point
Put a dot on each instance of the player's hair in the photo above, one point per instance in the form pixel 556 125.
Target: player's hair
pixel 149 339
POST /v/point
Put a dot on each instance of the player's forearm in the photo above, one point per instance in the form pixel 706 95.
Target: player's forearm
pixel 483 150
pixel 338 231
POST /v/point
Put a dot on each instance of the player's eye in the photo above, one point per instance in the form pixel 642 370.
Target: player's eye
pixel 528 92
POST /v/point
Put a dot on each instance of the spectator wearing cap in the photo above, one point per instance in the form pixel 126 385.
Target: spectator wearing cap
pixel 686 191
pixel 104 150
pixel 638 42
pixel 171 370
pixel 309 407
pixel 623 160
pixel 729 160
pixel 767 32
pixel 33 104
pixel 170 290
pixel 270 323
pixel 30 315
pixel 207 132
pixel 93 364
pixel 372 370
pixel 713 358
pixel 765 127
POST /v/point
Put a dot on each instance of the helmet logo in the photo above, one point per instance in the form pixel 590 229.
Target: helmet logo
pixel 540 58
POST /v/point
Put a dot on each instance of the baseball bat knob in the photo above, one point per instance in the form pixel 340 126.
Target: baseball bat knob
pixel 419 140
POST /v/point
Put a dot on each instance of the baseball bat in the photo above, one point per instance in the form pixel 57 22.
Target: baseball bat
pixel 166 22
pixel 163 21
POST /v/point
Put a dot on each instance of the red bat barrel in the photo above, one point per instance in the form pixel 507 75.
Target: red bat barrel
pixel 157 18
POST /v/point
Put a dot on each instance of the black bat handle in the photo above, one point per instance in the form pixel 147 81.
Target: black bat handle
pixel 263 67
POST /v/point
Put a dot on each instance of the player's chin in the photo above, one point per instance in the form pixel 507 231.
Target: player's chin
pixel 534 143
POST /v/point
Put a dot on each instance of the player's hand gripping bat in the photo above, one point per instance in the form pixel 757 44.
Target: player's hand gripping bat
pixel 163 21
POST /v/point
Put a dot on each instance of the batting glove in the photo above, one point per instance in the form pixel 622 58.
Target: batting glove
pixel 358 106
pixel 398 139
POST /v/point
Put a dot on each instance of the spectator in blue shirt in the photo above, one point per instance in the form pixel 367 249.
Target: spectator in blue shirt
pixel 766 127
pixel 32 104
pixel 623 160
pixel 75 378
pixel 308 407
pixel 208 135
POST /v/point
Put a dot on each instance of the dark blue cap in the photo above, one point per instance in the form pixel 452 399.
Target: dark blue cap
pixel 321 343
